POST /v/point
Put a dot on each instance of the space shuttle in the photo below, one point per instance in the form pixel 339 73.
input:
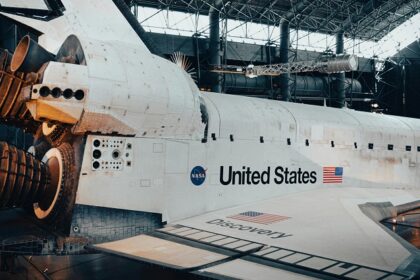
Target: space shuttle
pixel 131 158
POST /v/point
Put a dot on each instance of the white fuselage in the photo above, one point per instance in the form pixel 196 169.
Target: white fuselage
pixel 156 106
pixel 159 176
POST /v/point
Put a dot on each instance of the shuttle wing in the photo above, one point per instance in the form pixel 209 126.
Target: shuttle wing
pixel 37 9
pixel 324 233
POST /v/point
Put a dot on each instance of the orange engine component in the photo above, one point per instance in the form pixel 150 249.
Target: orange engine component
pixel 13 109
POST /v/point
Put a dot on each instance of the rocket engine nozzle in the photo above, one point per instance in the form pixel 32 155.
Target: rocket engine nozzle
pixel 17 72
pixel 29 56
pixel 28 181
pixel 23 178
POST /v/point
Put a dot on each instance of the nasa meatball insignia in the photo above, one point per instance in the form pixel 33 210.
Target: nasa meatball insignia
pixel 198 175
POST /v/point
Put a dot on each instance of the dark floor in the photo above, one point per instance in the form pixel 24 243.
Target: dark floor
pixel 103 266
pixel 81 267
pixel 21 230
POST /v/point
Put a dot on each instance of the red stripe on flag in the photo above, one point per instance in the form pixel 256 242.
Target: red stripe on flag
pixel 260 219
pixel 329 176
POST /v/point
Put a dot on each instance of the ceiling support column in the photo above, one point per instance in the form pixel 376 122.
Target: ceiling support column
pixel 284 58
pixel 339 97
pixel 214 46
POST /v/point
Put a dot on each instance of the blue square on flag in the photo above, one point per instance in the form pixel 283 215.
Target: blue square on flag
pixel 338 171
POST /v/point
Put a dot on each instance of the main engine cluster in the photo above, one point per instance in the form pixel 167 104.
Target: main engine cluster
pixel 43 179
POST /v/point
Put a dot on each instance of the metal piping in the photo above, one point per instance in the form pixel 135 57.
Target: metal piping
pixel 214 46
pixel 304 86
pixel 339 97
pixel 284 58
pixel 339 48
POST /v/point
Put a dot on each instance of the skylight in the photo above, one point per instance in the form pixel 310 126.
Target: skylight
pixel 184 24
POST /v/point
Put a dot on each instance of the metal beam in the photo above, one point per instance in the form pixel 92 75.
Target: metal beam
pixel 214 46
pixel 367 8
pixel 325 16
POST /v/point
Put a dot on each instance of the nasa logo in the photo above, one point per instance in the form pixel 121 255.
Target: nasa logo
pixel 198 175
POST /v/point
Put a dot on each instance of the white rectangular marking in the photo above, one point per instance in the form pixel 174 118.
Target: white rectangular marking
pixel 179 230
pixel 213 238
pixel 317 263
pixel 278 254
pixel 238 243
pixel 265 251
pixel 249 247
pixel 188 232
pixel 201 235
pixel 365 274
pixel 224 241
pixel 340 268
pixel 294 258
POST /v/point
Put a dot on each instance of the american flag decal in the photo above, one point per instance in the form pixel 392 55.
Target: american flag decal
pixel 258 217
pixel 332 175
